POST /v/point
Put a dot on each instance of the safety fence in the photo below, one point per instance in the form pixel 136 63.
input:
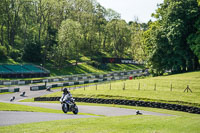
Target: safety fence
pixel 120 76
pixel 69 78
pixel 9 90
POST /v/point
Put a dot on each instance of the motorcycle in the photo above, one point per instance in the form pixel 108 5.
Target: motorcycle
pixel 69 106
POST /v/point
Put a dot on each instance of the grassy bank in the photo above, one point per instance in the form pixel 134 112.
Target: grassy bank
pixel 84 68
pixel 169 89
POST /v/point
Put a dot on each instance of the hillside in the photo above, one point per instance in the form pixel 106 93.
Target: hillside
pixel 167 89
pixel 86 65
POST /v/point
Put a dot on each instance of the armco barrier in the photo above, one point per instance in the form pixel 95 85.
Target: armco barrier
pixel 10 90
pixel 175 107
pixel 42 87
pixel 35 88
pixel 70 78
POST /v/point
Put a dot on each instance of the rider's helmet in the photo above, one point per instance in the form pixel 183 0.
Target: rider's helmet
pixel 65 90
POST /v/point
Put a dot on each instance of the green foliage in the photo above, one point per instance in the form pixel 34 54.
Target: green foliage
pixel 3 53
pixel 55 31
pixel 138 51
pixel 69 42
pixel 32 52
pixel 194 39
pixel 119 37
pixel 15 54
pixel 167 39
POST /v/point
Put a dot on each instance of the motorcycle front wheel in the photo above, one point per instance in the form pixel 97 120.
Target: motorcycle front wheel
pixel 75 110
pixel 64 108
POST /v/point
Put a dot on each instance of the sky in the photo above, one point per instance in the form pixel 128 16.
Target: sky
pixel 129 9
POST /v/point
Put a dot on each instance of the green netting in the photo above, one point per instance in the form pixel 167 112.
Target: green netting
pixel 33 68
pixel 17 68
pixel 4 70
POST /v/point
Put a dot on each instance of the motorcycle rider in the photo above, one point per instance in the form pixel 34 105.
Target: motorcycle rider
pixel 66 95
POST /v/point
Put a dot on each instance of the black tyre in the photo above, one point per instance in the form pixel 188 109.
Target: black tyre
pixel 64 108
pixel 75 110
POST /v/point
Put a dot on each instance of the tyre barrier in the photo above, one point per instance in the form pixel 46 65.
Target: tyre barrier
pixel 9 90
pixel 168 106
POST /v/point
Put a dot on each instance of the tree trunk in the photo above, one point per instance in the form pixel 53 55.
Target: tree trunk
pixel 2 36
pixel 196 65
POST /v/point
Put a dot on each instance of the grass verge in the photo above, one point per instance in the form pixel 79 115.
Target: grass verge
pixel 2 93
pixel 17 107
pixel 121 124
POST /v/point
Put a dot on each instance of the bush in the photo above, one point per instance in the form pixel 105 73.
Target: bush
pixel 3 53
pixel 32 52
pixel 15 54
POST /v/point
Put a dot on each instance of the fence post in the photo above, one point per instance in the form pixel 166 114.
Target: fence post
pixel 45 84
pixel 139 86
pixel 171 87
pixel 124 86
pixel 96 86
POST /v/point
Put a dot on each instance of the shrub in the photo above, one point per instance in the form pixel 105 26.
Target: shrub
pixel 3 53
pixel 15 54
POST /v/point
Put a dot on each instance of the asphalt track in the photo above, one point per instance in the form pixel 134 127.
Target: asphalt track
pixel 17 117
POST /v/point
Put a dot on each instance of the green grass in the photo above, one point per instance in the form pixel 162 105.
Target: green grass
pixel 181 123
pixel 146 92
pixel 79 69
pixel 16 107
pixel 27 100
pixel 122 67
pixel 86 68
pixel 1 93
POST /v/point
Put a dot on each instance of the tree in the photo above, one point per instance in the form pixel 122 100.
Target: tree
pixel 112 14
pixel 194 39
pixel 119 37
pixel 169 36
pixel 69 44
pixel 137 49
pixel 32 52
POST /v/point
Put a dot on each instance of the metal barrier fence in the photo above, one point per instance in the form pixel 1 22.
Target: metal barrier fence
pixel 119 76
pixel 9 90
pixel 69 78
